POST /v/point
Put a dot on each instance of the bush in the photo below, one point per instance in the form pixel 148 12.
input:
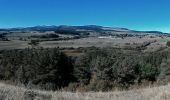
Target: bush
pixel 149 72
pixel 164 69
pixel 33 42
pixel 102 67
pixel 100 85
pixel 126 71
pixel 168 43
pixel 82 70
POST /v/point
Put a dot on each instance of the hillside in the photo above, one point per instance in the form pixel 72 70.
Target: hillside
pixel 83 58
pixel 76 28
pixel 81 36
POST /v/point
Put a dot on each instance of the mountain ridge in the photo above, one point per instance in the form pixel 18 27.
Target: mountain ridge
pixel 75 28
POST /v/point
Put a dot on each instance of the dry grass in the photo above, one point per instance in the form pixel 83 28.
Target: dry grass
pixel 83 42
pixel 8 92
pixel 13 44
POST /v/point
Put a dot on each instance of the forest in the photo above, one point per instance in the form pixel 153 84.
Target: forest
pixel 97 69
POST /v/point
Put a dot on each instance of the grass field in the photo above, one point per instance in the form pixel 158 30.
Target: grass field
pixel 21 40
pixel 8 92
pixel 13 44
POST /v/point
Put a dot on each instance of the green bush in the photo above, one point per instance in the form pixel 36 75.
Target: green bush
pixel 149 72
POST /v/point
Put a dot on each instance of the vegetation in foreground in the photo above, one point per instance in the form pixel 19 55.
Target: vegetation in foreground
pixel 96 70
pixel 8 92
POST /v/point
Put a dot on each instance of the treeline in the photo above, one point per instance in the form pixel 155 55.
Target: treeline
pixel 46 36
pixel 68 32
pixel 72 32
pixel 96 70
pixel 3 37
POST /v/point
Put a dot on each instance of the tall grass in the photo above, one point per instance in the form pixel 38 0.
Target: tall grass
pixel 8 92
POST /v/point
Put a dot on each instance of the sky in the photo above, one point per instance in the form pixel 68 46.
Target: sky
pixel 133 14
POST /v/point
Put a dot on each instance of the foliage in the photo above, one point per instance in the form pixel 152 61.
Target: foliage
pixel 46 36
pixel 38 67
pixel 68 32
pixel 96 70
pixel 168 43
pixel 34 42
pixel 117 67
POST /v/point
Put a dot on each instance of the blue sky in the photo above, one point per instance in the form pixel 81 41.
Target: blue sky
pixel 133 14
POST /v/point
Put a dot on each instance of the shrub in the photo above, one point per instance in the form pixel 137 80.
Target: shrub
pixel 33 42
pixel 82 70
pixel 168 43
pixel 100 85
pixel 149 72
pixel 102 67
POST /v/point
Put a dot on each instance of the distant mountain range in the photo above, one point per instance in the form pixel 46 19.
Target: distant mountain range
pixel 75 28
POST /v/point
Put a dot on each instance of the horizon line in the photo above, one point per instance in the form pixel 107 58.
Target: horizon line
pixel 13 27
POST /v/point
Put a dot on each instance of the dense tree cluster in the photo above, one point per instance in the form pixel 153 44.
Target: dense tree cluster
pixel 117 68
pixel 96 70
pixel 168 43
pixel 1 36
pixel 46 36
pixel 47 68
pixel 68 32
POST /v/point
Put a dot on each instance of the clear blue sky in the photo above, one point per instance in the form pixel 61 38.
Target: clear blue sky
pixel 133 14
